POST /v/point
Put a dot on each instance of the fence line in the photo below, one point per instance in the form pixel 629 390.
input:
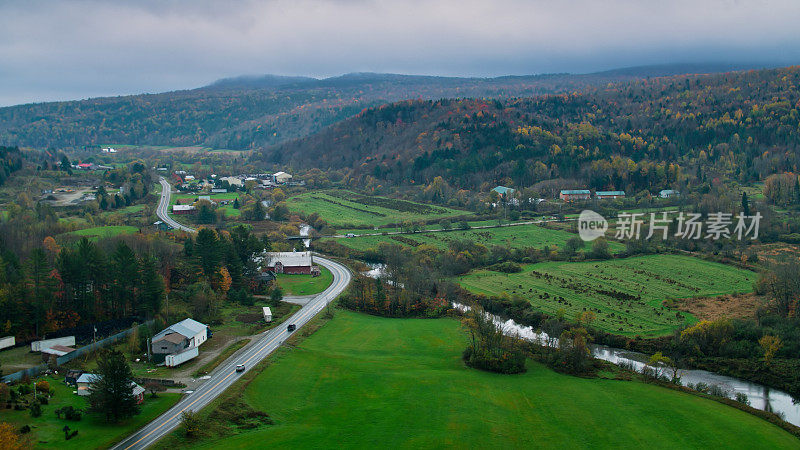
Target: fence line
pixel 36 370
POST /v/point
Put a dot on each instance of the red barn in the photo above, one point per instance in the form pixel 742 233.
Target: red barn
pixel 290 262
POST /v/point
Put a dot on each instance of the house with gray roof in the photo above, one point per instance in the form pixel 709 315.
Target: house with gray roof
pixel 177 337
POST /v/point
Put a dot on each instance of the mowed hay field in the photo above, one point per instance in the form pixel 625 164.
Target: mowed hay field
pixel 625 294
pixel 517 236
pixel 369 382
pixel 341 208
pixel 299 284
pixel 105 231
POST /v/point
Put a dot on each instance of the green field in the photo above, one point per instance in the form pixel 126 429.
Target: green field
pixel 518 236
pixel 626 294
pixel 93 430
pixel 229 210
pixel 342 208
pixel 368 382
pixel 305 284
pixel 106 231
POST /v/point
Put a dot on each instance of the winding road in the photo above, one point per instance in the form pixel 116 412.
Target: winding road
pixel 163 207
pixel 225 375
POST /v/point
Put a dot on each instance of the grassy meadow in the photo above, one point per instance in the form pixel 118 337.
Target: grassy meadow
pixel 625 294
pixel 105 231
pixel 229 210
pixel 342 209
pixel 369 382
pixel 517 236
pixel 298 284
pixel 93 430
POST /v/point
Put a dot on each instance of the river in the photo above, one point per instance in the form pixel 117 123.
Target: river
pixel 760 397
pixel 305 230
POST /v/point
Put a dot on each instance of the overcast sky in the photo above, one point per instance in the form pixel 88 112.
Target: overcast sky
pixel 53 50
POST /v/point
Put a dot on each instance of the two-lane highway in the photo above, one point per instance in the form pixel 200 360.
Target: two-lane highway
pixel 163 207
pixel 225 375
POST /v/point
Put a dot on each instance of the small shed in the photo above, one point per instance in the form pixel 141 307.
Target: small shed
pixel 83 382
pixel 137 392
pixel 267 314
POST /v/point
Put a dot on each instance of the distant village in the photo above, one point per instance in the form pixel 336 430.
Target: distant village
pixel 214 184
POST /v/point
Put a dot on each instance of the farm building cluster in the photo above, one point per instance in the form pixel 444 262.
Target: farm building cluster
pixel 222 184
pixel 572 195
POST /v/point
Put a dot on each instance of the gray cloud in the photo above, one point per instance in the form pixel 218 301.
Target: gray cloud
pixel 63 50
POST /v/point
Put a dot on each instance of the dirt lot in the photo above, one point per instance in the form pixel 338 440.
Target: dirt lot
pixel 68 198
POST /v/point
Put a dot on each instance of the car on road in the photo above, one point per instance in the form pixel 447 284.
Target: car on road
pixel 291 328
pixel 240 368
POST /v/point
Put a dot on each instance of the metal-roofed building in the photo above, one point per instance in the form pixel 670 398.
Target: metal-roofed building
pixel 289 262
pixel 569 195
pixel 502 190
pixel 182 335
pixel 668 193
pixel 601 195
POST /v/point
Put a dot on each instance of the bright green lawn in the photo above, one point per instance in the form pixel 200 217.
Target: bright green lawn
pixel 93 431
pixel 518 236
pixel 348 209
pixel 587 285
pixel 106 231
pixel 305 284
pixel 229 210
pixel 368 382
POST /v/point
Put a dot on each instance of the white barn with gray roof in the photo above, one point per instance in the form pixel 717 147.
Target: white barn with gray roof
pixel 185 334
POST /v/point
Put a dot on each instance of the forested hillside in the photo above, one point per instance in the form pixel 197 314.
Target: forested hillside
pixel 252 112
pixel 632 136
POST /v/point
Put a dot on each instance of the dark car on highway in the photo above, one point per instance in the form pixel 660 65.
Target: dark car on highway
pixel 291 328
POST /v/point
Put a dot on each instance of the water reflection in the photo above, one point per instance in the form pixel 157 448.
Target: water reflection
pixel 761 397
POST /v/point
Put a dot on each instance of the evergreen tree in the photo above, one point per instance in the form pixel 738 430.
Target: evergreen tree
pixel 125 276
pixel 111 393
pixel 152 288
pixel 207 250
pixel 745 204
pixel 41 285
